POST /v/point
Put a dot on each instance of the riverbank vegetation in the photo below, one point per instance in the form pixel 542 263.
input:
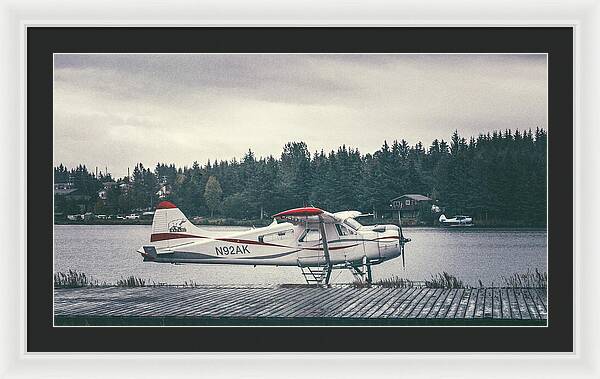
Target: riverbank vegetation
pixel 529 279
pixel 499 178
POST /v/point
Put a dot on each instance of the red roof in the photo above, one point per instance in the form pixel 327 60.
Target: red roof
pixel 306 211
pixel 165 205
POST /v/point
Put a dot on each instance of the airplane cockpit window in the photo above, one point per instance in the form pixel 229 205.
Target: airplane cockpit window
pixel 310 235
pixel 353 224
pixel 342 230
pixel 276 236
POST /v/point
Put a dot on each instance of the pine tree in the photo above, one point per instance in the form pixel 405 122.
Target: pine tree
pixel 212 194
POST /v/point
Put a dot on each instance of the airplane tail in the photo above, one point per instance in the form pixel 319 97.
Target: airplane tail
pixel 170 219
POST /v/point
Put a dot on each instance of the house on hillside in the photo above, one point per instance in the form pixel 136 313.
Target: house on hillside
pixel 106 186
pixel 410 205
pixel 65 193
pixel 164 191
pixel 69 192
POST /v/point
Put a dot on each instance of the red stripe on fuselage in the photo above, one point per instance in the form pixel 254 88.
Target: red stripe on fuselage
pixel 169 236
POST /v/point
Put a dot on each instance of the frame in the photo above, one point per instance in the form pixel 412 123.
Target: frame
pixel 556 42
pixel 580 363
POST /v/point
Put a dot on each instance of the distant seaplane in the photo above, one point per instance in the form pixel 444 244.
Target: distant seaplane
pixel 310 238
pixel 458 220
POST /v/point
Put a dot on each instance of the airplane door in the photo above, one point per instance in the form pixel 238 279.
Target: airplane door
pixel 356 246
pixel 312 248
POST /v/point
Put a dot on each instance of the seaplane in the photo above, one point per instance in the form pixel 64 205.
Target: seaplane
pixel 458 220
pixel 310 238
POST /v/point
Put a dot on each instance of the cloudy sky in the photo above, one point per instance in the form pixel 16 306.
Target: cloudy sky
pixel 118 109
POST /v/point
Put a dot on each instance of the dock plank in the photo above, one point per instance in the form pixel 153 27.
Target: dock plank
pixel 420 303
pixel 253 299
pixel 306 299
pixel 505 304
pixel 443 304
pixel 403 308
pixel 322 305
pixel 381 299
pixel 355 306
pixel 523 309
pixel 480 303
pixel 470 312
pixel 394 303
pixel 282 302
pixel 542 311
pixel 530 304
pixel 427 308
pixel 453 308
pixel 463 306
pixel 488 305
pixel 543 296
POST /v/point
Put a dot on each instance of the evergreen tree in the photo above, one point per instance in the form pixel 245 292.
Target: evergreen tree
pixel 497 177
pixel 212 194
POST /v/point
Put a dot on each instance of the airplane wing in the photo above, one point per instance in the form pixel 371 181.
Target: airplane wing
pixel 341 216
pixel 306 214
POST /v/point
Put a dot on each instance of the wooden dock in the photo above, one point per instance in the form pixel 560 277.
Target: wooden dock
pixel 299 305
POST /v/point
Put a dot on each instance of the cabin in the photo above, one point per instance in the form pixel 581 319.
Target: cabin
pixel 164 191
pixel 409 205
pixel 69 192
pixel 103 194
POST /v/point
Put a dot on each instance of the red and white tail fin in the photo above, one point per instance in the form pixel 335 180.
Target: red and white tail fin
pixel 169 222
pixel 169 219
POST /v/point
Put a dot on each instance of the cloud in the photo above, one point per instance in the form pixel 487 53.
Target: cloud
pixel 119 109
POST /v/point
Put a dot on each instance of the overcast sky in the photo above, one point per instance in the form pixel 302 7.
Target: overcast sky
pixel 118 109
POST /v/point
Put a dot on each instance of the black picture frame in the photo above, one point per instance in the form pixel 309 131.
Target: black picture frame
pixel 42 42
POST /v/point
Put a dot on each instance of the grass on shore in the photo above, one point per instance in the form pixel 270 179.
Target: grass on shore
pixel 131 281
pixel 73 279
pixel 445 280
pixel 529 279
pixel 440 280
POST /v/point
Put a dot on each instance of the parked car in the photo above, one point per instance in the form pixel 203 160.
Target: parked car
pixel 132 216
pixel 147 215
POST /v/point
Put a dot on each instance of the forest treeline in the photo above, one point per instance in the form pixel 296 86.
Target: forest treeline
pixel 496 176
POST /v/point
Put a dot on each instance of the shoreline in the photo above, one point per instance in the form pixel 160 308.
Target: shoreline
pixel 266 222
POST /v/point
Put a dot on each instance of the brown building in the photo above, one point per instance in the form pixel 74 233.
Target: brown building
pixel 409 205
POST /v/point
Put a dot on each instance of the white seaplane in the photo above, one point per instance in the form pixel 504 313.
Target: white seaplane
pixel 458 220
pixel 310 238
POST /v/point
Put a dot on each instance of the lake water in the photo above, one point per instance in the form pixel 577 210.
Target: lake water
pixel 108 253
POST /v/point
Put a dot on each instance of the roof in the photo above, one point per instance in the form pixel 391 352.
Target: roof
pixel 165 205
pixel 416 197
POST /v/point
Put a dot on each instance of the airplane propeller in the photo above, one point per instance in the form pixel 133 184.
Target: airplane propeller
pixel 401 240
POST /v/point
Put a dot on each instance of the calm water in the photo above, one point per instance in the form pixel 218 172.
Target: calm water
pixel 108 253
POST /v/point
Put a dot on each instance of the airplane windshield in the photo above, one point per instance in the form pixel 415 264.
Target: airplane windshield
pixel 353 223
